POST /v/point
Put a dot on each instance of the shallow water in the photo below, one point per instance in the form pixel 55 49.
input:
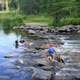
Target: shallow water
pixel 71 42
pixel 8 69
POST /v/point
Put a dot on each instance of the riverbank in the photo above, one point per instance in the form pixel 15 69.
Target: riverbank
pixel 17 19
pixel 14 19
pixel 43 29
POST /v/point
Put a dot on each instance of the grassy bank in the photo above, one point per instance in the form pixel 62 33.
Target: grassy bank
pixel 10 20
pixel 70 20
pixel 39 19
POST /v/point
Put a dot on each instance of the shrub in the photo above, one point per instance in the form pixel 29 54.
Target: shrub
pixel 10 20
pixel 70 20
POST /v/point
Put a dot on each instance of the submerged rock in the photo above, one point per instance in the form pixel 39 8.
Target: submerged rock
pixel 19 62
pixel 9 55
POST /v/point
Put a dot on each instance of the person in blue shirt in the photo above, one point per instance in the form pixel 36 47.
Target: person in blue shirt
pixel 52 54
pixel 51 51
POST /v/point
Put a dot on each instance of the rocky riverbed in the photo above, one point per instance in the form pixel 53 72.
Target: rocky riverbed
pixel 41 69
pixel 44 29
pixel 29 62
pixel 70 53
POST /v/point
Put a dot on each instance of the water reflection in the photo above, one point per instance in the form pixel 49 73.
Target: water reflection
pixel 7 47
pixel 9 54
pixel 7 41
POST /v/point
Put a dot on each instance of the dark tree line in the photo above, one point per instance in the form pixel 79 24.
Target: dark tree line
pixel 56 8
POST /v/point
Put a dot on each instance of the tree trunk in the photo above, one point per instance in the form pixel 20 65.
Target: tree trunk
pixel 18 6
pixel 6 3
pixel 3 5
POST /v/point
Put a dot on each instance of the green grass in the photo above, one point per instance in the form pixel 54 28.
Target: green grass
pixel 10 19
pixel 38 19
pixel 70 20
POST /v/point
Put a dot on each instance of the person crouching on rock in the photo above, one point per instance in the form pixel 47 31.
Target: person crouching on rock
pixel 51 52
pixel 53 55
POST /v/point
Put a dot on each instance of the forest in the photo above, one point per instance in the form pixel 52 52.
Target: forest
pixel 53 12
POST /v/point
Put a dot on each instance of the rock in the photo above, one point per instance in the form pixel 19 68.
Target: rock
pixel 47 68
pixel 31 31
pixel 39 74
pixel 28 61
pixel 41 61
pixel 19 61
pixel 30 43
pixel 39 65
pixel 78 31
pixel 44 46
pixel 41 29
pixel 67 29
pixel 8 56
pixel 73 65
pixel 67 75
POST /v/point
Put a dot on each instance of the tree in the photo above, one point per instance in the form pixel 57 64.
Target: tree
pixel 56 8
pixel 7 5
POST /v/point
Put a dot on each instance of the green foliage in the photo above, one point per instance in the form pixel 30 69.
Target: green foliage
pixel 70 20
pixel 38 18
pixel 11 20
pixel 8 20
pixel 58 9
pixel 13 4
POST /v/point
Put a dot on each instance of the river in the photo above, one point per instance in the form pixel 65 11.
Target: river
pixel 8 68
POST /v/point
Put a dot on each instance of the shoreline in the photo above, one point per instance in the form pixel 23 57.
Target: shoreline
pixel 44 29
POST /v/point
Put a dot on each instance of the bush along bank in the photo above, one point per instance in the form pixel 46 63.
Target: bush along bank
pixel 11 20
